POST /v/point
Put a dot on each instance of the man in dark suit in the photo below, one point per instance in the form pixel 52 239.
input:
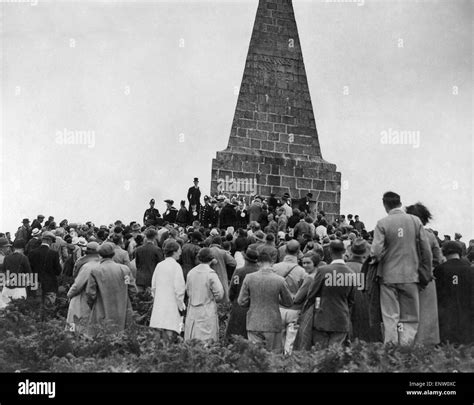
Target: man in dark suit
pixel 151 215
pixel 146 258
pixel 194 195
pixel 303 203
pixel 171 212
pixel 45 262
pixel 334 285
pixel 37 222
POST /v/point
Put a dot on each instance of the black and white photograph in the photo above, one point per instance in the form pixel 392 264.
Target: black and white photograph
pixel 278 193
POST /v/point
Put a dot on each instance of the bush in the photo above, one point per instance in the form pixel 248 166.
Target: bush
pixel 34 340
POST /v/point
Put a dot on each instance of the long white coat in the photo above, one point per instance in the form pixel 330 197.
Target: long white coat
pixel 168 288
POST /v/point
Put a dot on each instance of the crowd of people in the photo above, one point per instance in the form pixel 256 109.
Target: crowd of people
pixel 293 278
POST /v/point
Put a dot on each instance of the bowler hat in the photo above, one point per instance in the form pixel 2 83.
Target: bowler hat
pixel 251 255
pixel 169 202
pixel 26 221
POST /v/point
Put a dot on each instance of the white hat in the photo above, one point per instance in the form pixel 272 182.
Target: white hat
pixel 82 242
pixel 35 232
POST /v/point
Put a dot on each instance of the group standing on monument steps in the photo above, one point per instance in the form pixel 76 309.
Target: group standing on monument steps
pixel 290 277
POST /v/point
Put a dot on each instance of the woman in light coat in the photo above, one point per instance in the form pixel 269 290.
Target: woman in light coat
pixel 79 311
pixel 168 288
pixel 204 290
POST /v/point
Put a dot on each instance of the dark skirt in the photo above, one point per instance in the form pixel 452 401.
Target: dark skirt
pixel 304 336
pixel 237 324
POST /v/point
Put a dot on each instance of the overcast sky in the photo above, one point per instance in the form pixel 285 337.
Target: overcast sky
pixel 153 85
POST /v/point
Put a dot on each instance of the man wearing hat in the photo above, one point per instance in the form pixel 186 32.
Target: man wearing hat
pixel 190 251
pixel 108 289
pixel 34 242
pixel 224 264
pixel 24 231
pixel 37 222
pixel 237 324
pixel 361 328
pixel 45 262
pixel 228 215
pixel 206 213
pixel 16 264
pixel 79 311
pixel 5 249
pixel 147 257
pixel 132 244
pixel 171 212
pixel 303 203
pixel 457 238
pixel 194 195
pixel 151 215
pixel 91 253
pixel 332 322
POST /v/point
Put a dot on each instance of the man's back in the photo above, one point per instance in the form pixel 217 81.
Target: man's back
pixel 395 245
pixel 261 292
pixel 335 284
pixel 146 259
pixel 292 273
pixel 45 262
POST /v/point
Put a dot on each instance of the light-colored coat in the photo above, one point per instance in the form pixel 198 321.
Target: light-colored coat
pixel 168 288
pixel 394 246
pixel 107 294
pixel 204 290
pixel 78 307
pixel 262 293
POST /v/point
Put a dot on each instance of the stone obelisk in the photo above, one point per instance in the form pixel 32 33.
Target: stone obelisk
pixel 273 142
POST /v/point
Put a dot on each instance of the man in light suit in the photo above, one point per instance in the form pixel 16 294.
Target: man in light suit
pixel 395 248
pixel 262 292
pixel 335 286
